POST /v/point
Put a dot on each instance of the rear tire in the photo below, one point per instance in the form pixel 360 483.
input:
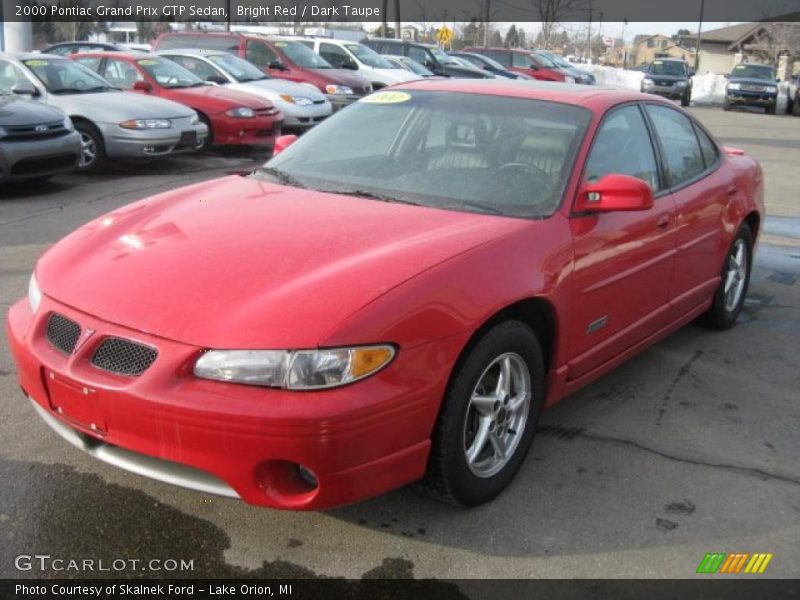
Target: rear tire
pixel 209 141
pixel 736 268
pixel 486 426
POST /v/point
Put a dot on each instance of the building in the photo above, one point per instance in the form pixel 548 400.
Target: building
pixel 715 54
pixel 647 48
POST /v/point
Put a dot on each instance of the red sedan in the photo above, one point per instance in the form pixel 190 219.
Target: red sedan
pixel 233 118
pixel 395 296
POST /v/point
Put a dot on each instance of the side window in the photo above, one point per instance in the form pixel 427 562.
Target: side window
pixel 682 153
pixel 222 43
pixel 622 145
pixel 419 54
pixel 121 74
pixel 709 148
pixel 90 63
pixel 521 61
pixel 392 48
pixel 11 75
pixel 334 54
pixel 259 53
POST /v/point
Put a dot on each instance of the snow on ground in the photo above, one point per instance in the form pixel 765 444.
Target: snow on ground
pixel 707 89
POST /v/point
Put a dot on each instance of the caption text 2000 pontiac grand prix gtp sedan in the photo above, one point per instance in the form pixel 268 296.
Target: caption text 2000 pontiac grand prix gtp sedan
pixel 394 297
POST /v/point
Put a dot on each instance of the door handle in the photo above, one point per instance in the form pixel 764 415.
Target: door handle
pixel 663 222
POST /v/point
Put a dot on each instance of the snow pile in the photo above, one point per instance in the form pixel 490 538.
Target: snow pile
pixel 707 89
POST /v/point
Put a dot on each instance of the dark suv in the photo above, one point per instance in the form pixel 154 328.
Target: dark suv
pixel 752 85
pixel 432 57
pixel 668 77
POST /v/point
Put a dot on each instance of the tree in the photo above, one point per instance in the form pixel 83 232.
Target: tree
pixel 512 37
pixel 496 39
pixel 553 12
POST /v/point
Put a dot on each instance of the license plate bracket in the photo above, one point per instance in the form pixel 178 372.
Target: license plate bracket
pixel 75 402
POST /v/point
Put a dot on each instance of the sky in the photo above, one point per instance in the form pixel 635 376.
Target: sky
pixel 630 30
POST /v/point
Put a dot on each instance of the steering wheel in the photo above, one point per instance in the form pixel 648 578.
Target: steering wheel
pixel 539 174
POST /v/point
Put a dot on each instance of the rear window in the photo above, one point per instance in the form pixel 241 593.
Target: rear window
pixel 208 42
pixel 177 41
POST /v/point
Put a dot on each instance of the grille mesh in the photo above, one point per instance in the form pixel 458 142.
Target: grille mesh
pixel 62 332
pixel 123 357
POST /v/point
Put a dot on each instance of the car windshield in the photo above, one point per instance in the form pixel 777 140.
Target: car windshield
pixel 457 151
pixel 238 68
pixel 64 76
pixel 558 60
pixel 754 72
pixel 441 56
pixel 484 60
pixel 667 67
pixel 302 56
pixel 369 57
pixel 169 74
pixel 414 67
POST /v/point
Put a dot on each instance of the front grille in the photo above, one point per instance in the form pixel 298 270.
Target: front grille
pixel 749 87
pixel 123 356
pixel 35 132
pixel 63 333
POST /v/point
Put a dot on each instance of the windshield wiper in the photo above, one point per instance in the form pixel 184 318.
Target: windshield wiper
pixel 371 196
pixel 249 79
pixel 282 176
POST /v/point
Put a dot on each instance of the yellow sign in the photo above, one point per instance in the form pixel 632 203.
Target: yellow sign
pixel 37 63
pixel 387 98
pixel 444 35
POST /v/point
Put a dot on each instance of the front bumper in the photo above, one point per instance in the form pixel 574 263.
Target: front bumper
pixel 135 143
pixel 745 98
pixel 257 131
pixel 339 101
pixel 27 159
pixel 358 441
pixel 668 91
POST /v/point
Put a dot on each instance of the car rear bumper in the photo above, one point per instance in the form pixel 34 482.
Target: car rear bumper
pixel 38 158
pixel 239 441
pixel 133 143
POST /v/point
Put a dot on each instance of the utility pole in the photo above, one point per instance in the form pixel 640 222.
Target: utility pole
pixel 397 19
pixel 385 26
pixel 699 30
pixel 486 12
pixel 589 36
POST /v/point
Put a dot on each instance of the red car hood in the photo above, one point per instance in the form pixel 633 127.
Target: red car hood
pixel 242 263
pixel 208 94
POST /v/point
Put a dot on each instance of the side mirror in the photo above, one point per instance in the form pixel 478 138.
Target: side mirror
pixel 218 79
pixel 282 143
pixel 613 193
pixel 142 86
pixel 276 64
pixel 25 89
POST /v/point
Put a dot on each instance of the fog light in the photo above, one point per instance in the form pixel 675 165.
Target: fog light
pixel 288 483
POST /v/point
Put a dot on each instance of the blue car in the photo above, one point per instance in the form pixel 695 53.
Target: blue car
pixel 752 85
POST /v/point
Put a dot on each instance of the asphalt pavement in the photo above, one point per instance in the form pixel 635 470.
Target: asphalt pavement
pixel 689 448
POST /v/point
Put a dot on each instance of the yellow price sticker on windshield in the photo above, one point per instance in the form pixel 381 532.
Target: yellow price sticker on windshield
pixel 37 63
pixel 281 44
pixel 148 62
pixel 387 98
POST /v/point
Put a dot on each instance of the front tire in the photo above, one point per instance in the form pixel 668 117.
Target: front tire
pixel 488 417
pixel 736 268
pixel 93 149
pixel 686 100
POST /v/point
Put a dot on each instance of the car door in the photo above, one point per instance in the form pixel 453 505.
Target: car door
pixel 702 191
pixel 623 261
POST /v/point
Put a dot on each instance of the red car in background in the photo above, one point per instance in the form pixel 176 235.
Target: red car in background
pixel 233 118
pixel 282 58
pixel 527 62
pixel 354 317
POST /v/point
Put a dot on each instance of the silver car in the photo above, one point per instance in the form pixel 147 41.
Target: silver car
pixel 302 105
pixel 36 141
pixel 111 123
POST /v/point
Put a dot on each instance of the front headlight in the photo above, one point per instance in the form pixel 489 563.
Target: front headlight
pixel 338 89
pixel 771 89
pixel 681 84
pixel 241 112
pixel 146 124
pixel 194 119
pixel 68 125
pixel 299 100
pixel 646 82
pixel 734 86
pixel 294 369
pixel 34 294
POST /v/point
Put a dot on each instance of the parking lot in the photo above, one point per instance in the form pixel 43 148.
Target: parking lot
pixel 689 448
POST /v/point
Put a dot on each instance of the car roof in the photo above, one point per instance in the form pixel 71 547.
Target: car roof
pixel 131 55
pixel 595 98
pixel 477 49
pixel 408 42
pixel 191 51
pixel 31 56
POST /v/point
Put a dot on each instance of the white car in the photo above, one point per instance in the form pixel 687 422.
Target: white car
pixel 302 105
pixel 373 67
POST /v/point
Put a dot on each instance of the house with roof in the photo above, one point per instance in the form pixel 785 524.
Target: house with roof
pixel 647 48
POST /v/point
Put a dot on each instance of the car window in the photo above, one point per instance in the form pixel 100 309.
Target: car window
pixel 259 53
pixel 521 61
pixel 64 76
pixel 754 72
pixel 504 58
pixel 60 50
pixel 222 43
pixel 178 41
pixel 90 63
pixel 420 55
pixel 623 146
pixel 121 74
pixel 334 54
pixel 667 67
pixel 11 75
pixel 708 147
pixel 679 144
